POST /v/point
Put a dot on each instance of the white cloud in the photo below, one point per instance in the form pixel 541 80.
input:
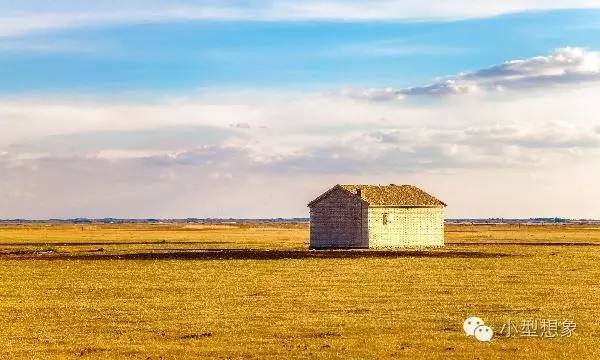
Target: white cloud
pixel 20 18
pixel 119 159
pixel 565 66
pixel 265 154
pixel 121 154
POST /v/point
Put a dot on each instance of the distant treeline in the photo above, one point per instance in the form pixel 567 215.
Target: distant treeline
pixel 523 221
pixel 280 220
pixel 154 221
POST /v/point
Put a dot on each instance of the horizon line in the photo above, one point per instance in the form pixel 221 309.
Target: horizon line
pixel 292 219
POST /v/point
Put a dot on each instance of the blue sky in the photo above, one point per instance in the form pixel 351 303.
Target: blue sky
pixel 252 108
pixel 183 56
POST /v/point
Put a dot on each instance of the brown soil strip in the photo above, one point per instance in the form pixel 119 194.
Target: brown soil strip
pixel 240 254
pixel 103 243
pixel 540 243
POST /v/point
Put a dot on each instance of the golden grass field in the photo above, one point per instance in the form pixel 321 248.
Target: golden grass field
pixel 254 291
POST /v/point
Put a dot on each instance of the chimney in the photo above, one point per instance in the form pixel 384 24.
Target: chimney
pixel 359 193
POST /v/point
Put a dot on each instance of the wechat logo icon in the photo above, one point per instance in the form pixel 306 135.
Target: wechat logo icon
pixel 474 326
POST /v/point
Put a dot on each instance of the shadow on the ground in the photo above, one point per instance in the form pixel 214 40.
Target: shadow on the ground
pixel 253 254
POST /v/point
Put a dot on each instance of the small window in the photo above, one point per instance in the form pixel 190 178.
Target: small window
pixel 385 218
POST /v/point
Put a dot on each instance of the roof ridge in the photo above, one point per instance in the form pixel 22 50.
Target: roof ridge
pixel 387 195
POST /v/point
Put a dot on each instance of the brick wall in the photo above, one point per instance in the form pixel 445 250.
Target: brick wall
pixel 406 227
pixel 339 220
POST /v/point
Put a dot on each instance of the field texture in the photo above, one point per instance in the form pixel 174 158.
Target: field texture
pixel 254 291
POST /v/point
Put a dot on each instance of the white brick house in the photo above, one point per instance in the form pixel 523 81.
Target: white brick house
pixel 376 216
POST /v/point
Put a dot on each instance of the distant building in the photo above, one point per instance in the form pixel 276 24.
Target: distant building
pixel 376 216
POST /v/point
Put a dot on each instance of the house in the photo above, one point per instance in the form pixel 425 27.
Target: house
pixel 376 216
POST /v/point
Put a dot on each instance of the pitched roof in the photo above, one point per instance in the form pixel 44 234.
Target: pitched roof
pixel 388 195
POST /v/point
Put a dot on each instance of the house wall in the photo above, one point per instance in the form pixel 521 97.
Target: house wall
pixel 339 220
pixel 406 227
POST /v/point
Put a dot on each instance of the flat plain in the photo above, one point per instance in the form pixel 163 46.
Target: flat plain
pixel 254 291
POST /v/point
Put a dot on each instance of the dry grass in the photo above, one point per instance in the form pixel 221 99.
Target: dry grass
pixel 85 291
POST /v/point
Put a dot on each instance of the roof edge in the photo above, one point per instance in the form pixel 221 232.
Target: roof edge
pixel 409 206
pixel 440 204
pixel 325 194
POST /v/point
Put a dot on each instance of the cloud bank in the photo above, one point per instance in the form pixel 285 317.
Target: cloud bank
pixel 565 66
pixel 259 153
